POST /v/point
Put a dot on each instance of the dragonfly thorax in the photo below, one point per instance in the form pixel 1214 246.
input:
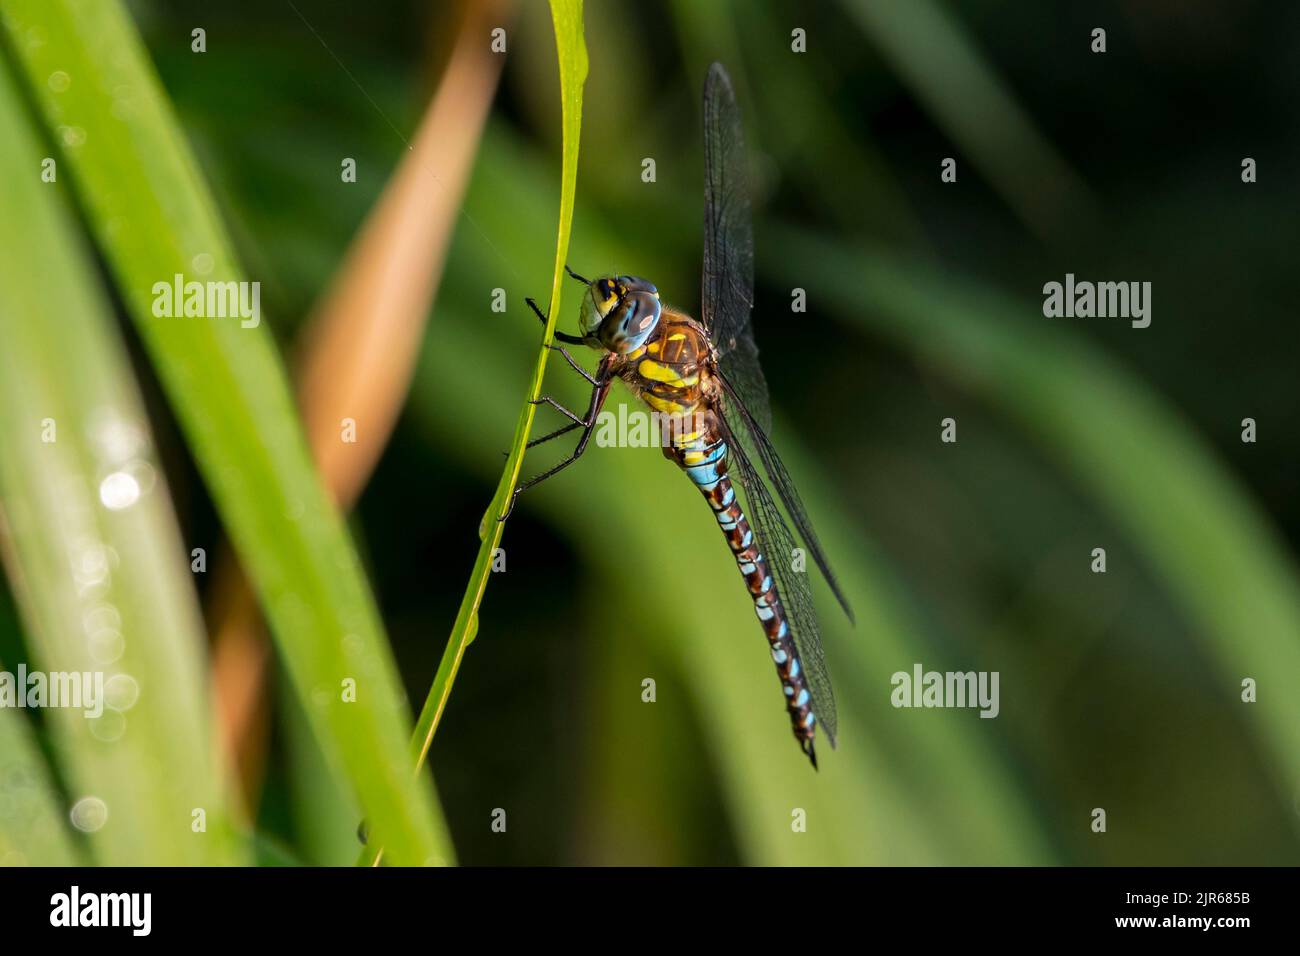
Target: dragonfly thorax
pixel 619 313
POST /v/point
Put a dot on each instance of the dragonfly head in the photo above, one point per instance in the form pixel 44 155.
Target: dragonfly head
pixel 619 313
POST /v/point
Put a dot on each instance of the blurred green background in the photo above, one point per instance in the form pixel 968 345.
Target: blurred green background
pixel 1119 690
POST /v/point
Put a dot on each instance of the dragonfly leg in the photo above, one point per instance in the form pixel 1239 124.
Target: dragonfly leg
pixel 587 423
pixel 573 364
pixel 555 434
pixel 545 438
pixel 547 400
pixel 538 479
pixel 562 336
pixel 536 311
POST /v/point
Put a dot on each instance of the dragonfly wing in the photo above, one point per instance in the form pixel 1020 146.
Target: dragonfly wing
pixel 727 296
pixel 777 545
pixel 761 447
pixel 744 374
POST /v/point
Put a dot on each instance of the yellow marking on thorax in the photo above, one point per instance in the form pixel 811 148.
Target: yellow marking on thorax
pixel 655 372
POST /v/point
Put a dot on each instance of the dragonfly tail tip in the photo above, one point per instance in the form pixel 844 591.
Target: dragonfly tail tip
pixel 811 752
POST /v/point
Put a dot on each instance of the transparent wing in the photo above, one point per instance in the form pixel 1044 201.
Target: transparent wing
pixel 728 298
pixel 777 545
pixel 727 284
pixel 760 446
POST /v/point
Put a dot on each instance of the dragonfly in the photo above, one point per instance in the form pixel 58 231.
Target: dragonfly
pixel 704 381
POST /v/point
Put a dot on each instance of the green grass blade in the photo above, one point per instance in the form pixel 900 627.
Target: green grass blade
pixel 1199 529
pixel 33 828
pixel 154 218
pixel 927 47
pixel 95 555
pixel 571 51
pixel 323 812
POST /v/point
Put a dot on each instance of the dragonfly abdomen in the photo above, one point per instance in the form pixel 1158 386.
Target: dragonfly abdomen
pixel 753 565
pixel 672 374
